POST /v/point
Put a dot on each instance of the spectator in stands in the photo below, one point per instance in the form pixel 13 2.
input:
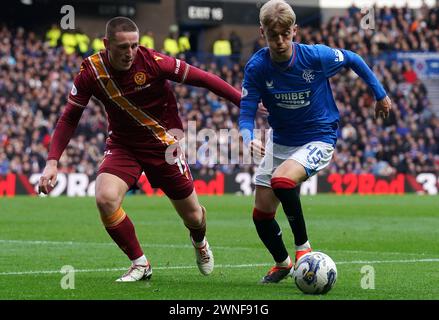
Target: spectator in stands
pixel 409 74
pixel 170 45
pixel 97 44
pixel 53 35
pixel 83 43
pixel 222 49
pixel 69 42
pixel 184 44
pixel 147 40
pixel 236 46
pixel 4 164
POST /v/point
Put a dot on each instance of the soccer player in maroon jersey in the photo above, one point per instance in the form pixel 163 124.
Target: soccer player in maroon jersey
pixel 132 83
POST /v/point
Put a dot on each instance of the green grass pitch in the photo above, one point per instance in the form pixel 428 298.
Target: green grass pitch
pixel 397 235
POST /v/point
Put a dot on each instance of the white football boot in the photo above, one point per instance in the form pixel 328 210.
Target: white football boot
pixel 136 273
pixel 204 257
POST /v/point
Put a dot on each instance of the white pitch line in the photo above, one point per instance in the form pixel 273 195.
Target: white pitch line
pixel 389 261
pixel 124 269
pixel 184 246
pixel 231 266
pixel 106 244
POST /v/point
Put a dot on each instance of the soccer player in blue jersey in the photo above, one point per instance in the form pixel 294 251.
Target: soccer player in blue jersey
pixel 292 81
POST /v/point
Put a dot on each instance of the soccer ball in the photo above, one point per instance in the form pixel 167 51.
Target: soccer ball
pixel 315 273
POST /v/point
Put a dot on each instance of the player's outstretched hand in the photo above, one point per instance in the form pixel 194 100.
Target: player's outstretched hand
pixel 383 107
pixel 257 148
pixel 48 178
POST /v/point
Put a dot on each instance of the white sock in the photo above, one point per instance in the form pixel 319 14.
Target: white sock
pixel 141 261
pixel 199 244
pixel 284 263
pixel 304 246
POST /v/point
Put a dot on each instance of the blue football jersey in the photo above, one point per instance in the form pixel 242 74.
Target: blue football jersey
pixel 297 94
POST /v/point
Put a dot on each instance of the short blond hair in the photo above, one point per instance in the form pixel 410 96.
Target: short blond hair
pixel 277 12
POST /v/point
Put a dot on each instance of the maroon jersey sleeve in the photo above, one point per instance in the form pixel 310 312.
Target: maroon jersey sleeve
pixel 65 128
pixel 201 78
pixel 68 122
pixel 180 71
pixel 81 89
pixel 170 67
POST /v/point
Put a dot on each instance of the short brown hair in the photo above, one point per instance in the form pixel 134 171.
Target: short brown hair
pixel 119 24
pixel 277 12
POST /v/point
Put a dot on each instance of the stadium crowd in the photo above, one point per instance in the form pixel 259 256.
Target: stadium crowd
pixel 36 78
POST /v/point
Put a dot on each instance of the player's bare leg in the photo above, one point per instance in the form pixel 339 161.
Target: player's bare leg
pixel 110 192
pixel 265 199
pixel 292 170
pixel 285 183
pixel 269 232
pixel 194 218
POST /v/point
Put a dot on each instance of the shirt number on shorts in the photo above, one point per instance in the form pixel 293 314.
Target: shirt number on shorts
pixel 314 155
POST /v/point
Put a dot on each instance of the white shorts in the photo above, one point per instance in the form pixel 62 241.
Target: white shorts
pixel 313 156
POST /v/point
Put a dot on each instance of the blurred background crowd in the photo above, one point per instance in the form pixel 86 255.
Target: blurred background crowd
pixel 37 71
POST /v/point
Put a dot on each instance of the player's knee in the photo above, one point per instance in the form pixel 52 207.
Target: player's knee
pixel 107 200
pixel 265 206
pixel 194 218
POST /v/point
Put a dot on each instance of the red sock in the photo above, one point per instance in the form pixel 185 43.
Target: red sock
pixel 121 230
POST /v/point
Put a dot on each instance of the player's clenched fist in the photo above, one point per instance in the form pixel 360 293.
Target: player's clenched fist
pixel 48 178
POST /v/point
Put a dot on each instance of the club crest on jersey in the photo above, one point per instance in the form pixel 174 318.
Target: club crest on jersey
pixel 308 75
pixel 140 78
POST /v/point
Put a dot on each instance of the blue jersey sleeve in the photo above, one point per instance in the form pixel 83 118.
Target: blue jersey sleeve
pixel 332 60
pixel 249 104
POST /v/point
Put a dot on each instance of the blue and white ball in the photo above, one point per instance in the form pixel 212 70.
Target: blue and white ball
pixel 315 273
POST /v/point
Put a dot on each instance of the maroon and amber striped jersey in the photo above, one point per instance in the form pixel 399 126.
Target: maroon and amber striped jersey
pixel 141 107
pixel 139 102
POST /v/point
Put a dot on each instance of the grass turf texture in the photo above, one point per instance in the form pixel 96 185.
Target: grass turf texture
pixel 397 235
